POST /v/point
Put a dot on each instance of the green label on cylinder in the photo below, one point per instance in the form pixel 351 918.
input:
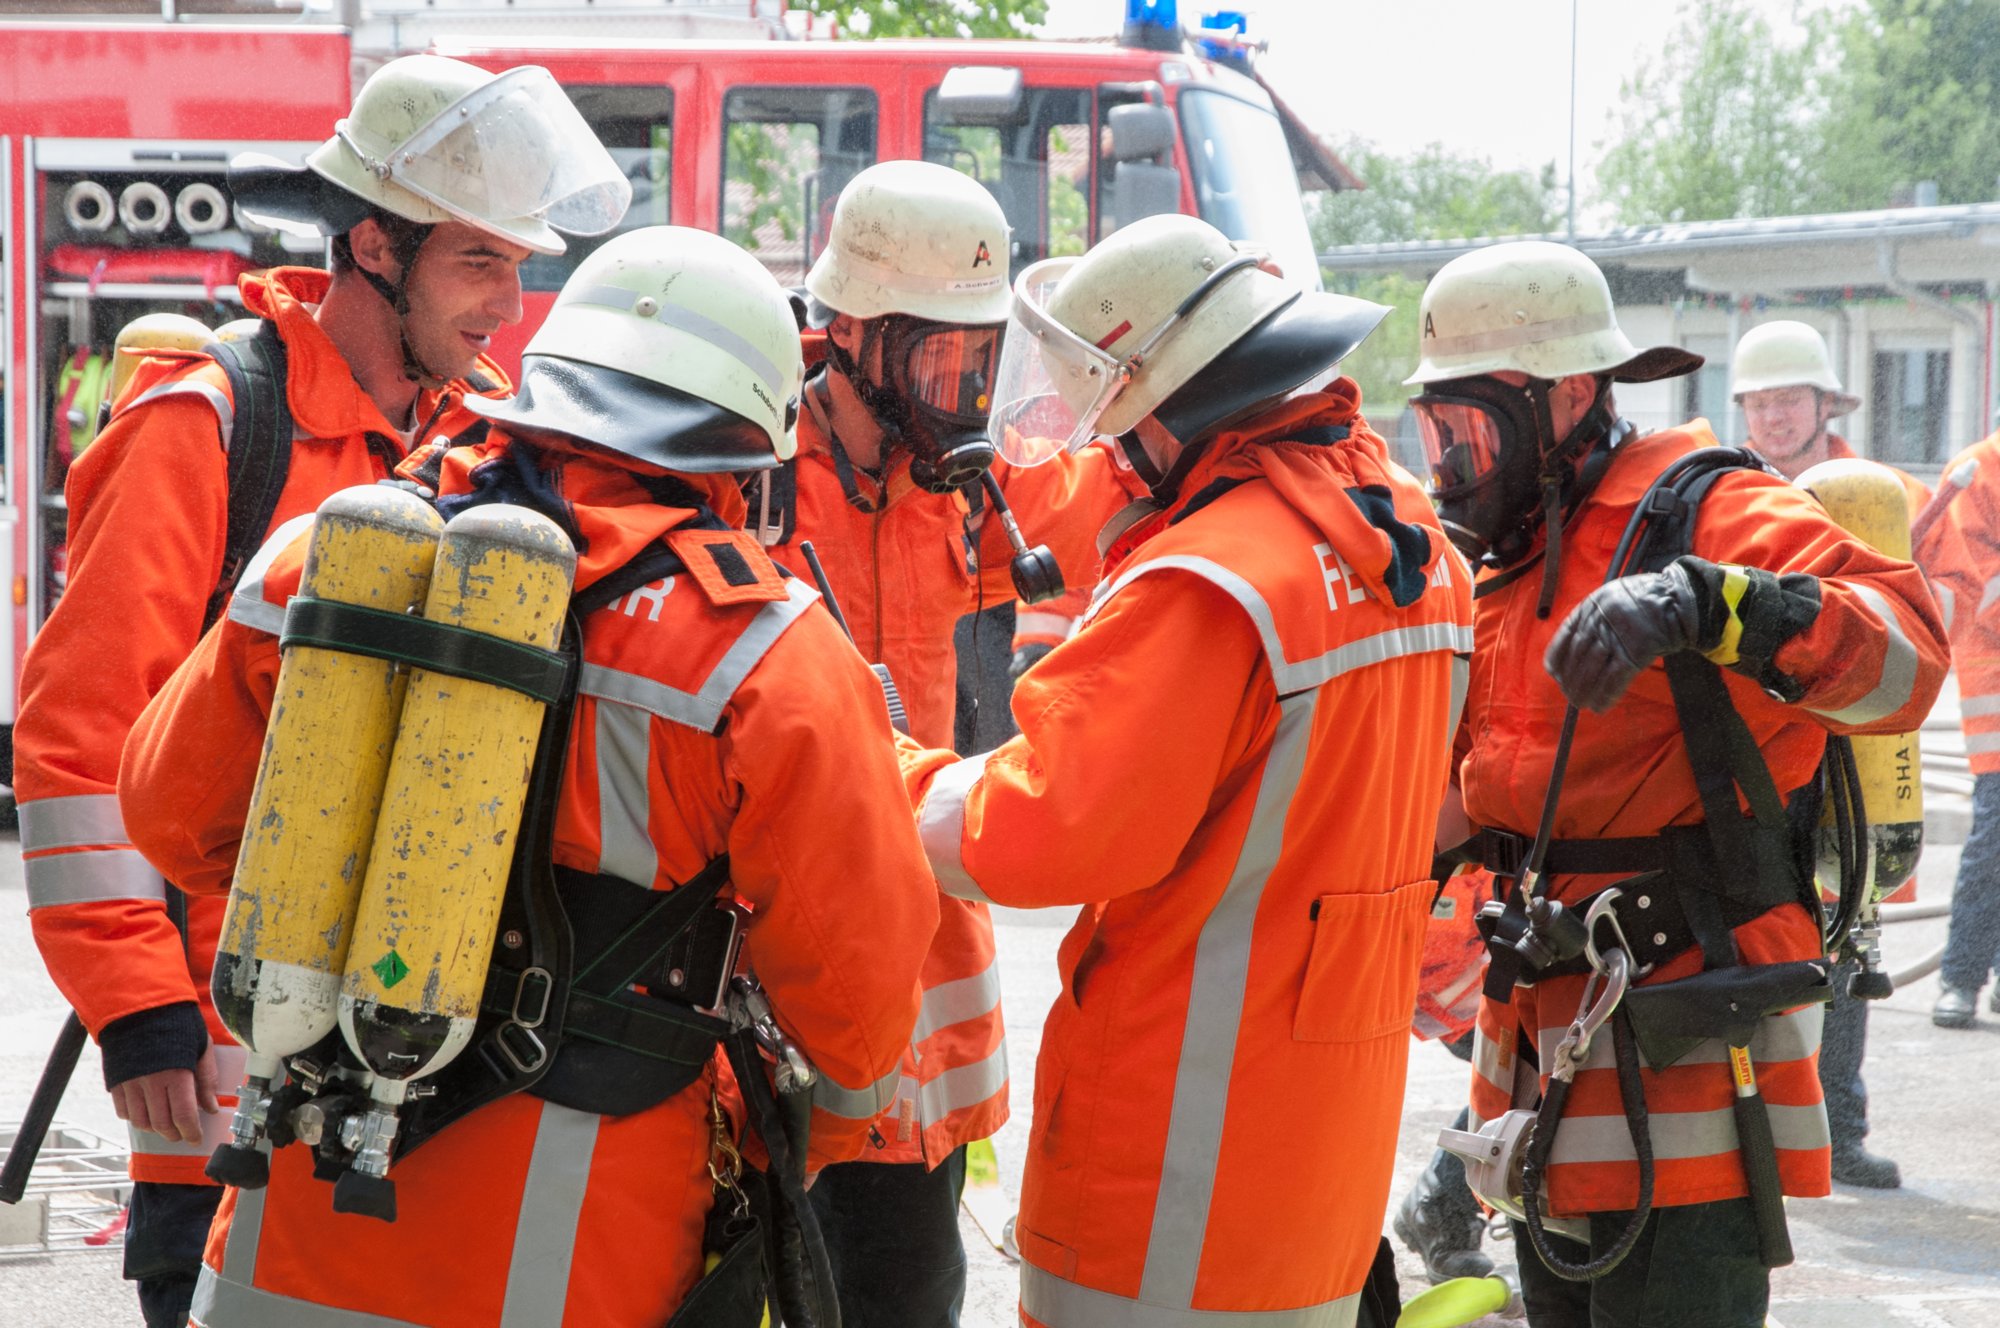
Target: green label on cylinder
pixel 391 969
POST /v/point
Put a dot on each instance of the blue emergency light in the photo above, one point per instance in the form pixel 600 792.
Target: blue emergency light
pixel 1221 38
pixel 1153 25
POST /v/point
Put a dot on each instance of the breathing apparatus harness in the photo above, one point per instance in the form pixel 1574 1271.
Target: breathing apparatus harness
pixel 604 995
pixel 1686 886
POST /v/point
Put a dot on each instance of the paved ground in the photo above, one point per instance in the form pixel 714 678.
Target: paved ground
pixel 1927 1256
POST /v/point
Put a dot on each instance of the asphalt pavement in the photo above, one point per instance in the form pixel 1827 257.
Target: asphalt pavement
pixel 1927 1255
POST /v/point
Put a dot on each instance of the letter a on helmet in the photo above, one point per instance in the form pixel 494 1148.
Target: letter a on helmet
pixel 432 139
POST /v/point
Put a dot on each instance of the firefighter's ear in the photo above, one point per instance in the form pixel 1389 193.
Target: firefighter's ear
pixel 373 250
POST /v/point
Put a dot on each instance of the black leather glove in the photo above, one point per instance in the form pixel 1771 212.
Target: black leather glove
pixel 1620 628
pixel 1026 657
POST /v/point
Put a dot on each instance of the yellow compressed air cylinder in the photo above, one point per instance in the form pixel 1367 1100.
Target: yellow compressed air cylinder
pixel 148 333
pixel 443 845
pixel 319 784
pixel 1867 499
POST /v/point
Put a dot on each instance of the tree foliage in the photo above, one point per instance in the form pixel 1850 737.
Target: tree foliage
pixel 1432 194
pixel 1728 123
pixel 933 18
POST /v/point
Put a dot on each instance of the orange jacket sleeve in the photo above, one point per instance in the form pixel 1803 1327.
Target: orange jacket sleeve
pixel 1079 806
pixel 1873 657
pixel 148 520
pixel 822 839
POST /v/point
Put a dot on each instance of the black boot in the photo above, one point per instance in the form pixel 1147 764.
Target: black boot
pixel 1442 1222
pixel 1858 1166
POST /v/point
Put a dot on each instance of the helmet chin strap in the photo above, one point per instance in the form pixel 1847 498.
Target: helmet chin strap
pixel 407 241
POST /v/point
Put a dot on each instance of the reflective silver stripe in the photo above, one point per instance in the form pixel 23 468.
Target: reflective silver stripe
pixel 1518 334
pixel 1461 682
pixel 1989 594
pixel 246 1232
pixel 1682 1134
pixel 1486 1062
pixel 702 710
pixel 1947 601
pixel 92 877
pixel 86 818
pixel 951 1003
pixel 624 757
pixel 1961 474
pixel 855 1103
pixel 963 1086
pixel 221 1302
pixel 1296 676
pixel 1214 1013
pixel 1428 1028
pixel 1898 681
pixel 1038 623
pixel 1970 705
pixel 1975 743
pixel 1063 1304
pixel 551 1206
pixel 248 605
pixel 218 400
pixel 941 826
pixel 1779 1037
pixel 695 324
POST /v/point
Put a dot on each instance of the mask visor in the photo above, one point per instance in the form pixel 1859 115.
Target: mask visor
pixel 1462 439
pixel 949 370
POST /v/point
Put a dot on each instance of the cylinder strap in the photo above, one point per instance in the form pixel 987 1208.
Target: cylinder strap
pixel 421 643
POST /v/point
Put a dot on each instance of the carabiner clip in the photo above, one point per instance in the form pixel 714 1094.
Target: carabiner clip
pixel 1602 991
pixel 1600 911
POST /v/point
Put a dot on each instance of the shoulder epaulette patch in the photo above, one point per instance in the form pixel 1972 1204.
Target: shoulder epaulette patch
pixel 729 565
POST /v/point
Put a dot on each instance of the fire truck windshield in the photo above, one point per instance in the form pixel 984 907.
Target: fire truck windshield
pixel 1244 181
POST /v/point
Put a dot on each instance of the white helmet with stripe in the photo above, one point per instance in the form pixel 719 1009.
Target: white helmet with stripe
pixel 915 238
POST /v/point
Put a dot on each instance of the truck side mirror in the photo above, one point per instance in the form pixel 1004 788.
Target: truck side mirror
pixel 981 95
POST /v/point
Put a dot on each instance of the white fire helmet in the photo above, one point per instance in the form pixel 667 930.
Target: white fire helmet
pixel 915 238
pixel 432 139
pixel 1097 342
pixel 668 345
pixel 1531 307
pixel 1786 353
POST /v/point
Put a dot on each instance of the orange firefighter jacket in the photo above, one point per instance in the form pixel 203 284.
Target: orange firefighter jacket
pixel 905 572
pixel 1871 661
pixel 711 718
pixel 1236 767
pixel 1454 959
pixel 1957 541
pixel 148 514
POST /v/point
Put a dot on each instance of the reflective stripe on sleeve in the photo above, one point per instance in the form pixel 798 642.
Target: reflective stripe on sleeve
pixel 1060 1303
pixel 551 1206
pixel 1215 1014
pixel 1034 622
pixel 1898 680
pixel 702 709
pixel 941 826
pixel 1683 1134
pixel 1297 675
pixel 217 399
pixel 73 822
pixel 855 1103
pixel 951 1003
pixel 248 605
pixel 625 847
pixel 92 877
pixel 962 1086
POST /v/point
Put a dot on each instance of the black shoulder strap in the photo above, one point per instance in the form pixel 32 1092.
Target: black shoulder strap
pixel 260 450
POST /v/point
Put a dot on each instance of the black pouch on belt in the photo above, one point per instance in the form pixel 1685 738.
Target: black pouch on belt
pixel 730 1294
pixel 1670 1018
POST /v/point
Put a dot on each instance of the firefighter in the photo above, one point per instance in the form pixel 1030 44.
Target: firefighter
pixel 1536 472
pixel 719 712
pixel 426 255
pixel 1208 766
pixel 911 292
pixel 1956 540
pixel 1783 379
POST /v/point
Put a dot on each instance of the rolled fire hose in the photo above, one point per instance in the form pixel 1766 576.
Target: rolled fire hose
pixel 201 208
pixel 145 208
pixel 88 206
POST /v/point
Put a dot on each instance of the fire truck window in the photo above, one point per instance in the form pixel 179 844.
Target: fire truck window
pixel 1037 165
pixel 787 152
pixel 636 124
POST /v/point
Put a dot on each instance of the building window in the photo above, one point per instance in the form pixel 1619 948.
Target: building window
pixel 1909 407
pixel 1708 388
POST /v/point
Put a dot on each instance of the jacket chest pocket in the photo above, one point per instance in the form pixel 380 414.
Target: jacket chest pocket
pixel 1361 979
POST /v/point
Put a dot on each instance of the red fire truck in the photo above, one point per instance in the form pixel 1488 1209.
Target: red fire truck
pixel 729 115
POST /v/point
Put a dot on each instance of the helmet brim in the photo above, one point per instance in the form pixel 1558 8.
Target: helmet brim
pixel 635 418
pixel 1304 338
pixel 1655 363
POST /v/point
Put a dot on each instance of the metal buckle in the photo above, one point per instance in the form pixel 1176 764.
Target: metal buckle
pixel 545 983
pixel 533 1059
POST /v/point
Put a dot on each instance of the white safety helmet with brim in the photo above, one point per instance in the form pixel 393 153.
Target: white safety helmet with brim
pixel 669 346
pixel 913 238
pixel 1788 353
pixel 431 139
pixel 1167 317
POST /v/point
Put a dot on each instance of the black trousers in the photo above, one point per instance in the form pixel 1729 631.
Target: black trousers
pixel 1843 1044
pixel 1695 1266
pixel 166 1227
pixel 892 1236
